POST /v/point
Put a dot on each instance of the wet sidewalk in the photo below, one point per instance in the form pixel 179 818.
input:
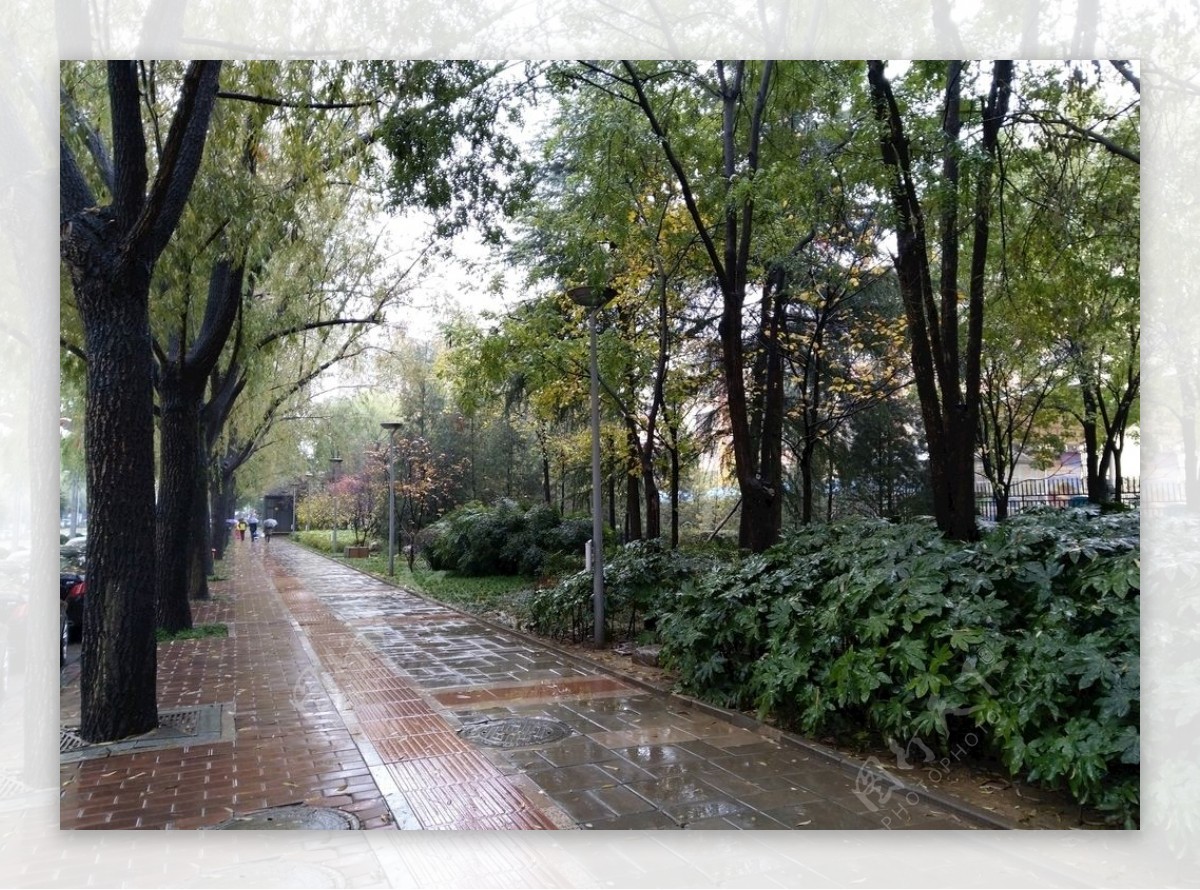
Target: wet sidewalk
pixel 335 689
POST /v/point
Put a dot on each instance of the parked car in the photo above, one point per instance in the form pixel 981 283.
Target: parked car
pixel 72 586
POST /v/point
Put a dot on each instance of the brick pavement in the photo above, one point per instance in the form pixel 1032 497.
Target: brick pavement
pixel 337 689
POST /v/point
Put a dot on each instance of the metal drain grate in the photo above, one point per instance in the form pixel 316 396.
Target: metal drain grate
pixel 69 740
pixel 186 726
pixel 516 732
pixel 181 722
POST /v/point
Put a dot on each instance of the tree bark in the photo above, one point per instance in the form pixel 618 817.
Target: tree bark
pixel 760 483
pixel 119 654
pixel 948 387
pixel 110 253
pixel 183 373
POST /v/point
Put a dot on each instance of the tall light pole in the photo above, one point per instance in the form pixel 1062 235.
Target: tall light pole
pixel 333 465
pixel 593 298
pixel 391 426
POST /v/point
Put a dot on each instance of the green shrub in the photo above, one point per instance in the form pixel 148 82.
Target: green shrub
pixel 504 539
pixel 636 577
pixel 319 539
pixel 1026 641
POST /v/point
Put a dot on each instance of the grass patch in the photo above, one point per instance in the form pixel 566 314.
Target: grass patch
pixel 199 632
pixel 484 594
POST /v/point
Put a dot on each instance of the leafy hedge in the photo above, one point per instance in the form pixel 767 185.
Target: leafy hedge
pixel 1025 642
pixel 322 539
pixel 637 577
pixel 503 539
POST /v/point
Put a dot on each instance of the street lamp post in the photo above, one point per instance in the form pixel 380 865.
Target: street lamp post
pixel 391 426
pixel 333 465
pixel 308 478
pixel 593 298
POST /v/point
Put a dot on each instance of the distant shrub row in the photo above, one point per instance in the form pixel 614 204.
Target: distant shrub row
pixel 503 539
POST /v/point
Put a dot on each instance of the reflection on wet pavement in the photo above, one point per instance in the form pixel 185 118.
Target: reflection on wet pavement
pixel 414 673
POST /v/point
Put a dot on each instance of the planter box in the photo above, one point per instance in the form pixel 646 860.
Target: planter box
pixel 358 552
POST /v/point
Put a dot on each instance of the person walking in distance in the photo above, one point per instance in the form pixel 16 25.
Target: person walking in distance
pixel 253 526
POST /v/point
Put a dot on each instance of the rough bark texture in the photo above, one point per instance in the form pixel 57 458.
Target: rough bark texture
pixel 119 649
pixel 183 452
pixel 110 254
pixel 179 440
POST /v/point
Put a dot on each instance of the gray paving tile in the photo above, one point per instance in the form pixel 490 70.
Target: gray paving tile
pixel 573 778
pixel 575 751
pixel 821 814
pixel 634 821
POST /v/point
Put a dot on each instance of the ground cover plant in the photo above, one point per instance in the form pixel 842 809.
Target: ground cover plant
pixel 1023 644
pixel 638 577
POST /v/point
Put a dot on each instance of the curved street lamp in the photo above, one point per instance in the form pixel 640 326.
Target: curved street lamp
pixel 593 298
pixel 391 426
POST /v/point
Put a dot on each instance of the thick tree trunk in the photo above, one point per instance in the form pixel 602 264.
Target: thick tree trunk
pixel 761 518
pixel 179 441
pixel 119 650
pixel 653 503
pixel 110 253
pixel 200 566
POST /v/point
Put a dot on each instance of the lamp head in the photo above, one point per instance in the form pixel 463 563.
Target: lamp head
pixel 591 297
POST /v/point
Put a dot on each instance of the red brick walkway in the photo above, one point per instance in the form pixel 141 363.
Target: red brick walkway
pixel 292 739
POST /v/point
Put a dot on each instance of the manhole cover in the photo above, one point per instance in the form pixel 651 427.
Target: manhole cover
pixel 515 732
pixel 297 817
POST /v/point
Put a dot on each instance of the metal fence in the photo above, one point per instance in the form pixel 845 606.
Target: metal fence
pixel 1057 492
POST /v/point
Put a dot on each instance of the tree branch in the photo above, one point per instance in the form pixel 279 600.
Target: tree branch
pixel 72 348
pixel 74 193
pixel 129 144
pixel 312 326
pixel 180 160
pixel 1126 71
pixel 91 138
pixel 1084 132
pixel 684 183
pixel 292 103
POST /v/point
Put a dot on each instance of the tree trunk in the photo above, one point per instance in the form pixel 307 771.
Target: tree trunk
pixel 1000 497
pixel 200 566
pixel 806 482
pixel 119 656
pixel 948 384
pixel 674 496
pixel 179 438
pixel 110 254
pixel 633 493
